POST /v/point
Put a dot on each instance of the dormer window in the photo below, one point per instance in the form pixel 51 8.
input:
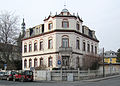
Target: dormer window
pixel 65 24
pixel 50 26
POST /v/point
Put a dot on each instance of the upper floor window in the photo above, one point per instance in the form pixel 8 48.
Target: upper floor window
pixel 25 48
pixel 77 26
pixel 84 46
pixel 35 46
pixel 88 47
pixel 77 44
pixel 65 42
pixel 50 62
pixel 41 45
pixel 50 26
pixel 37 30
pixel 50 44
pixel 65 24
pixel 30 47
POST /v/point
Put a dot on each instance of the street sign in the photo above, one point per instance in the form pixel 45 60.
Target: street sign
pixel 110 59
pixel 5 66
pixel 59 62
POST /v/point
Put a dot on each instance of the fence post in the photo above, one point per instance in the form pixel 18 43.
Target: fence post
pixel 61 74
pixel 78 74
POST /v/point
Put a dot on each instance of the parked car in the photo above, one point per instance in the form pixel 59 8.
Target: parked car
pixel 1 74
pixel 22 76
pixel 10 75
pixel 4 77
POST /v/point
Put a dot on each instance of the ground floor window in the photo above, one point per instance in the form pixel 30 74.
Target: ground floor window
pixel 35 62
pixel 50 62
pixel 41 61
pixel 30 63
pixel 25 63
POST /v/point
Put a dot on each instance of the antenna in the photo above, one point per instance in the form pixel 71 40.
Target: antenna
pixel 65 3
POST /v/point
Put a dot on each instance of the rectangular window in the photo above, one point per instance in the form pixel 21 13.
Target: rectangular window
pixel 64 42
pixel 35 46
pixel 25 48
pixel 77 44
pixel 41 45
pixel 84 46
pixel 50 44
pixel 30 47
pixel 50 26
pixel 65 24
pixel 78 26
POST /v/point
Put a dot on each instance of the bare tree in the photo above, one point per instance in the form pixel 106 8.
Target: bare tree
pixel 91 61
pixel 8 36
pixel 8 27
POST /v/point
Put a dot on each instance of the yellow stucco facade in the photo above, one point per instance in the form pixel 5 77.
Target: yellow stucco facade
pixel 107 60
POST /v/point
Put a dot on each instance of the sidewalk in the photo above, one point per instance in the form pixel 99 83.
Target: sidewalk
pixel 99 79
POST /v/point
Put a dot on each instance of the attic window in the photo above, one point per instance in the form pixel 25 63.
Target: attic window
pixel 50 26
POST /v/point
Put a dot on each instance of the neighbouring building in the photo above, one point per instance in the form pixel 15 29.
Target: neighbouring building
pixel 110 57
pixel 60 42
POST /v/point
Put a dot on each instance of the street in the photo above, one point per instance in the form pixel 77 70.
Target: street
pixel 108 82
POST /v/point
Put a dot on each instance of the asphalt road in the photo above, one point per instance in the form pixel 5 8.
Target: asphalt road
pixel 108 82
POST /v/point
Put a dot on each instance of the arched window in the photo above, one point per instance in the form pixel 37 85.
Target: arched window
pixel 30 62
pixel 25 48
pixel 41 61
pixel 65 41
pixel 91 48
pixel 25 63
pixel 88 47
pixel 50 62
pixel 84 46
pixel 30 47
pixel 35 62
pixel 35 46
pixel 77 44
pixel 50 25
pixel 41 45
pixel 50 43
pixel 95 49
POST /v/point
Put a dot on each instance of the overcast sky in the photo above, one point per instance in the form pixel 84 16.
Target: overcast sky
pixel 103 16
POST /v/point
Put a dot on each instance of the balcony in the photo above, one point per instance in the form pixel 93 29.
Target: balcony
pixel 65 49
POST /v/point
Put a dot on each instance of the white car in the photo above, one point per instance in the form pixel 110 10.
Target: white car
pixel 1 74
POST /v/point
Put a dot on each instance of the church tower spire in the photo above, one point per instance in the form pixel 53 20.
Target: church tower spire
pixel 23 28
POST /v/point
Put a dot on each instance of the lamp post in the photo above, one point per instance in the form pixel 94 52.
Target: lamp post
pixel 103 64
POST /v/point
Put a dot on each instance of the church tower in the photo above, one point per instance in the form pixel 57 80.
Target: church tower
pixel 23 28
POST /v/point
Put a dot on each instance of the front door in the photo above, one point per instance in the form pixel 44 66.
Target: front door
pixel 65 61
